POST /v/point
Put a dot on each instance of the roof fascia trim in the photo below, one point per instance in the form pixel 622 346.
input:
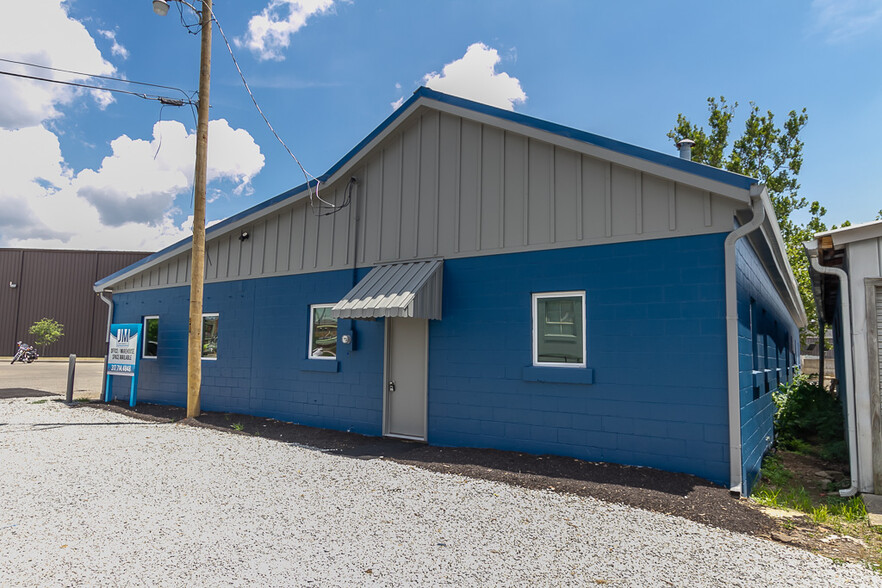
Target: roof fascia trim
pixel 854 233
pixel 776 251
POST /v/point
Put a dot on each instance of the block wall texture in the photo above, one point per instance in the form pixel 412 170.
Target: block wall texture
pixel 262 366
pixel 653 392
pixel 655 323
pixel 768 341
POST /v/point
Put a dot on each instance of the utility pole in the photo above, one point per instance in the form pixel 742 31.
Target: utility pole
pixel 197 265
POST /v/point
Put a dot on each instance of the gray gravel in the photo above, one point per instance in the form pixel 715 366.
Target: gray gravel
pixel 95 498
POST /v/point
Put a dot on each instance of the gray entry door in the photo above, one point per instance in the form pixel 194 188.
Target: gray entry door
pixel 406 378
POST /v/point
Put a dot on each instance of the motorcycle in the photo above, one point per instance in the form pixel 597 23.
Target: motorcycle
pixel 25 354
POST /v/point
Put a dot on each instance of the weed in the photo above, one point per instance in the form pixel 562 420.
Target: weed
pixel 796 446
pixel 854 510
pixel 237 426
pixel 767 496
pixel 82 399
pixel 821 514
pixel 41 401
pixel 774 472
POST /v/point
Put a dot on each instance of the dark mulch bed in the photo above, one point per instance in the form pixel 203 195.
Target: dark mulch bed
pixel 670 493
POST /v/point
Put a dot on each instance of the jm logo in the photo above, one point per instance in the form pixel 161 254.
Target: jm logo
pixel 123 335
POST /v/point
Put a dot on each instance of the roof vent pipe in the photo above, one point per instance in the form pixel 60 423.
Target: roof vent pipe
pixel 685 147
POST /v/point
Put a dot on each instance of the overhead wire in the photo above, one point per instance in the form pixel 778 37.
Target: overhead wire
pixel 323 204
pixel 164 99
pixel 347 200
pixel 188 97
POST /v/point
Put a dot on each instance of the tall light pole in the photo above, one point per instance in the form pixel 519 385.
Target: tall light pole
pixel 197 265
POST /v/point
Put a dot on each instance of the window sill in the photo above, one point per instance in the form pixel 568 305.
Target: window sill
pixel 320 365
pixel 558 375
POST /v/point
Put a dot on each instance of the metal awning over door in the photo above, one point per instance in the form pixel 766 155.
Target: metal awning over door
pixel 409 289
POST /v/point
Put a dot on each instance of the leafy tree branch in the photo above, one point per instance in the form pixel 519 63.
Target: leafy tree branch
pixel 773 155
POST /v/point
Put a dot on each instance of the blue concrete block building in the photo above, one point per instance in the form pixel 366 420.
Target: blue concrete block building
pixel 469 276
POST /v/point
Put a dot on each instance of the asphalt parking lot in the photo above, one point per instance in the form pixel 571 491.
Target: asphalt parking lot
pixel 50 375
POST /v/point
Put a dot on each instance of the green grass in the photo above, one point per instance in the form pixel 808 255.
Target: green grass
pixel 774 472
pixel 41 401
pixel 779 489
pixel 787 497
pixel 237 426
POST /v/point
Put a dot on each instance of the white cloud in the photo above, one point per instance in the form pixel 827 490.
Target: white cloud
pixel 474 76
pixel 269 33
pixel 397 104
pixel 57 41
pixel 28 180
pixel 140 181
pixel 843 20
pixel 115 48
pixel 129 202
pixel 136 197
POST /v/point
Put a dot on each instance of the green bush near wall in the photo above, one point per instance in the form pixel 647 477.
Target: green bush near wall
pixel 809 419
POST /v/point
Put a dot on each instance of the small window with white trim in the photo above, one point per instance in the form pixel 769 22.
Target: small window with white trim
pixel 322 332
pixel 209 335
pixel 559 329
pixel 151 337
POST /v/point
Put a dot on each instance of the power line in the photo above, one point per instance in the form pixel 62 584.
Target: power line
pixel 80 73
pixel 163 99
pixel 309 177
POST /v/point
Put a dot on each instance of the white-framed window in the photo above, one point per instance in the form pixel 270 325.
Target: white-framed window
pixel 150 334
pixel 210 322
pixel 559 329
pixel 322 332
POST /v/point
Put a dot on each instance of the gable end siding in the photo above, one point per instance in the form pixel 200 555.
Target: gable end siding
pixel 446 186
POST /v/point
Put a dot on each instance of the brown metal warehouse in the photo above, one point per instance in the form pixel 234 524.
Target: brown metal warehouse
pixel 37 283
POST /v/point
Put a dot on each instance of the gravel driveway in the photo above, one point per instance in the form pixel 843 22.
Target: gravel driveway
pixel 95 498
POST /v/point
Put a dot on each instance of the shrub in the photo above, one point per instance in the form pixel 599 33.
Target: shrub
pixel 808 414
pixel 46 331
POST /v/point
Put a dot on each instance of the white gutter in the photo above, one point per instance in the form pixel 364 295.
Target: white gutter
pixel 844 295
pixel 109 303
pixel 759 215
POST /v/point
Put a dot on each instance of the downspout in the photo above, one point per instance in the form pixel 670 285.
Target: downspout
pixel 849 366
pixel 733 368
pixel 109 303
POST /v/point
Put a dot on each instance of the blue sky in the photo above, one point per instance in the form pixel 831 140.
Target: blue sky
pixel 84 169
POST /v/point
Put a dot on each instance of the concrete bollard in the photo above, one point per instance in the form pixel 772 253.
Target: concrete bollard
pixel 71 369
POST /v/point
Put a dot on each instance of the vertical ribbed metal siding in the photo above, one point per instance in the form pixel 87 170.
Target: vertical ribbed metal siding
pixel 879 335
pixel 444 186
pixel 10 272
pixel 58 285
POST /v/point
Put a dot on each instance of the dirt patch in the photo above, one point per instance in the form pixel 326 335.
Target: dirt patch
pixel 664 492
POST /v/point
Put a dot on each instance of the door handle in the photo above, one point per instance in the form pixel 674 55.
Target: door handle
pixel 391 386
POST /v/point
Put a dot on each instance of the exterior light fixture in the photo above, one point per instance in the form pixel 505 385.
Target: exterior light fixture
pixel 13 285
pixel 160 7
pixel 244 236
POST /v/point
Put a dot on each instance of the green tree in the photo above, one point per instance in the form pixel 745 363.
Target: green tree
pixel 46 331
pixel 773 155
